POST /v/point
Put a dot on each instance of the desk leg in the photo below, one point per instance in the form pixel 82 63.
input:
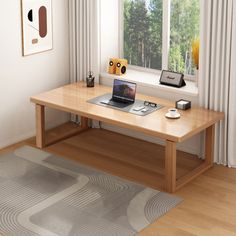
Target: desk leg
pixel 209 145
pixel 170 166
pixel 84 122
pixel 40 126
pixel 208 162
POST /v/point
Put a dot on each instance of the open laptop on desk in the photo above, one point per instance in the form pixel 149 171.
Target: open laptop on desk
pixel 123 94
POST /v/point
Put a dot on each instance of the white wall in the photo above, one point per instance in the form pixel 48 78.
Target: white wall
pixel 21 77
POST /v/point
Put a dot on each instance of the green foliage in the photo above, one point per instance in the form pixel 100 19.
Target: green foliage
pixel 184 28
pixel 143 33
pixel 136 32
pixel 176 62
pixel 156 11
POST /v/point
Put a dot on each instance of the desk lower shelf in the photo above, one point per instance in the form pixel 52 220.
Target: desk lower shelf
pixel 121 155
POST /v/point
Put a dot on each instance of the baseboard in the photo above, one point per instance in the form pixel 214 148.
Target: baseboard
pixel 17 139
pixel 27 135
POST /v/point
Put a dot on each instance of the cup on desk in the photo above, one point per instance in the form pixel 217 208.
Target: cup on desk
pixel 173 112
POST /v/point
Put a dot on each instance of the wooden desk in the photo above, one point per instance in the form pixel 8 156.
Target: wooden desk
pixel 72 98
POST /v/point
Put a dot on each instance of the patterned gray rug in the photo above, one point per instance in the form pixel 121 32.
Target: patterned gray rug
pixel 42 194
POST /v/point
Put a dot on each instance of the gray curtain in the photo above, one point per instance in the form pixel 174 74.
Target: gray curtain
pixel 217 75
pixel 84 24
pixel 84 38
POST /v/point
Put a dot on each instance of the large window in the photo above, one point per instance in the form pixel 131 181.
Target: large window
pixel 158 34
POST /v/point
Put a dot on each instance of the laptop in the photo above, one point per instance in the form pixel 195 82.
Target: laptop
pixel 123 94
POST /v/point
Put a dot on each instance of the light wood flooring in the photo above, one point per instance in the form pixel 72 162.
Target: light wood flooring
pixel 209 206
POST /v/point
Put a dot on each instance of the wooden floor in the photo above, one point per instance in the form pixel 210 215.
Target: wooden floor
pixel 209 206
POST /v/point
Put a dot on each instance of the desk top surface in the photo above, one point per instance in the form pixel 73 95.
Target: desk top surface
pixel 73 98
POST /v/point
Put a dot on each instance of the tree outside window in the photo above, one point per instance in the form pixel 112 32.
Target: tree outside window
pixel 143 29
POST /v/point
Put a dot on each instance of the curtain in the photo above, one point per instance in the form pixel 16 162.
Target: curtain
pixel 84 38
pixel 84 24
pixel 217 84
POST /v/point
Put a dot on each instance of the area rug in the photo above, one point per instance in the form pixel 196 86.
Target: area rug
pixel 43 194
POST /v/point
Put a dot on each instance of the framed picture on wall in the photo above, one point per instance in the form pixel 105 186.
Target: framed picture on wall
pixel 36 26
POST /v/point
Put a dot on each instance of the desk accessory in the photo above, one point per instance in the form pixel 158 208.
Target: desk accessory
pixel 117 66
pixel 151 104
pixel 112 65
pixel 139 108
pixel 183 104
pixel 136 108
pixel 121 66
pixel 146 106
pixel 172 114
pixel 172 79
pixel 90 79
pixel 145 110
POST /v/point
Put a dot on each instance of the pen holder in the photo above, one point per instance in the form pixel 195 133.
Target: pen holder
pixel 90 79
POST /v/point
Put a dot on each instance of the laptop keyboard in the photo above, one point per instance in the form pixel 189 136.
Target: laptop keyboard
pixel 116 104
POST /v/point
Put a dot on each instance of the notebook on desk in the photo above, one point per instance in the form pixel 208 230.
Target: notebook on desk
pixel 123 94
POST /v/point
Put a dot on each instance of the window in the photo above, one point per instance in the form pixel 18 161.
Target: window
pixel 158 34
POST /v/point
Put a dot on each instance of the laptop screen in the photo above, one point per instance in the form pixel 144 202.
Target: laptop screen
pixel 124 91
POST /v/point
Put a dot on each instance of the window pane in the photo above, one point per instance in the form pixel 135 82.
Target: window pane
pixel 184 28
pixel 143 33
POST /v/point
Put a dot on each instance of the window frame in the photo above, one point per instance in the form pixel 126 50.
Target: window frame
pixel 165 39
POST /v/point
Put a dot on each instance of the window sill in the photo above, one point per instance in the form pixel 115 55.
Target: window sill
pixel 152 80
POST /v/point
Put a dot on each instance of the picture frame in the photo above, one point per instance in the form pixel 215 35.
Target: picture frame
pixel 36 23
pixel 171 78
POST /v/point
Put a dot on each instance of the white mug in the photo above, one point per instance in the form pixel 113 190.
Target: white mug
pixel 173 112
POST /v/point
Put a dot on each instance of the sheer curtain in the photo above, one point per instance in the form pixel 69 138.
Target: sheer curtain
pixel 217 84
pixel 84 24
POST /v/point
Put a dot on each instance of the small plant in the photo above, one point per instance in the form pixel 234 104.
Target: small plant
pixel 195 52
